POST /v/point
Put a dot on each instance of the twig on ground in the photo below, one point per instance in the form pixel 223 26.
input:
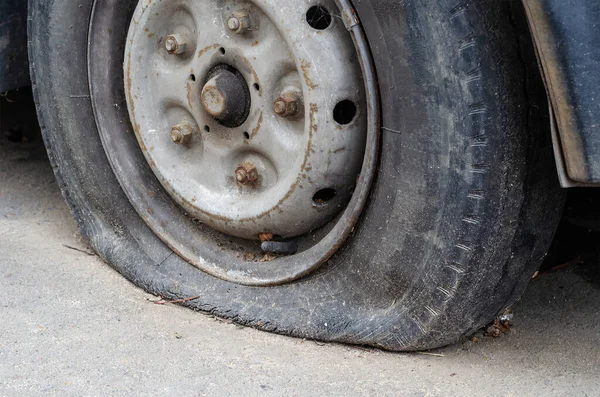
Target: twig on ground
pixel 574 261
pixel 79 250
pixel 164 302
pixel 431 354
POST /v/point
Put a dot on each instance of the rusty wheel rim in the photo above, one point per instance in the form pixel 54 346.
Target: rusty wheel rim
pixel 215 242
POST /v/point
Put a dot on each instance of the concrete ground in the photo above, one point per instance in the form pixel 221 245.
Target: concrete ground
pixel 71 326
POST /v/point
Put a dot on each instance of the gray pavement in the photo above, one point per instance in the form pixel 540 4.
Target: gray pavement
pixel 71 326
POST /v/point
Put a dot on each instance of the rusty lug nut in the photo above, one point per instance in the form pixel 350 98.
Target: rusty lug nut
pixel 181 134
pixel 239 22
pixel 287 105
pixel 175 44
pixel 246 174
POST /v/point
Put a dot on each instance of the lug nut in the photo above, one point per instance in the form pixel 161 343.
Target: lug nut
pixel 246 174
pixel 181 134
pixel 288 104
pixel 239 22
pixel 175 44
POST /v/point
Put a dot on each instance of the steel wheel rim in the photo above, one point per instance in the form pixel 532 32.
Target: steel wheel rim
pixel 206 250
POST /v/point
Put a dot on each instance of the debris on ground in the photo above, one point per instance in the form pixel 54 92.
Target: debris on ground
pixel 79 250
pixel 268 257
pixel 431 354
pixel 575 261
pixel 507 316
pixel 164 302
pixel 499 327
pixel 265 237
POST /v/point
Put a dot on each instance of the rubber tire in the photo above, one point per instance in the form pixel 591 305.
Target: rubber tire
pixel 463 210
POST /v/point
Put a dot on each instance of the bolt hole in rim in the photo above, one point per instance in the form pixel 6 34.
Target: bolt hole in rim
pixel 196 238
pixel 318 17
pixel 345 112
pixel 324 196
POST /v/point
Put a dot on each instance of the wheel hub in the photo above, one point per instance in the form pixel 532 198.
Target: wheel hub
pixel 260 84
pixel 226 96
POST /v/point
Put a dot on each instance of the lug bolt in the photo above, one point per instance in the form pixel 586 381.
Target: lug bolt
pixel 213 99
pixel 288 104
pixel 239 22
pixel 246 174
pixel 233 23
pixel 181 134
pixel 280 107
pixel 175 44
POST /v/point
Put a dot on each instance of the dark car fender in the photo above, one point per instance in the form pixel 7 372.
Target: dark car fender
pixel 566 35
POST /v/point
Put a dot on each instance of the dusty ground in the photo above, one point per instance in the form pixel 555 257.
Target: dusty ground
pixel 71 326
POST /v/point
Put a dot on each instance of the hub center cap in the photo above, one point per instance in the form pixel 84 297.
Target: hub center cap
pixel 226 96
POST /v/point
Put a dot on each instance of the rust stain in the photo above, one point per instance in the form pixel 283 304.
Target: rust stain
pixel 314 108
pixel 268 258
pixel 128 88
pixel 189 94
pixel 256 79
pixel 255 43
pixel 206 49
pixel 305 66
pixel 258 125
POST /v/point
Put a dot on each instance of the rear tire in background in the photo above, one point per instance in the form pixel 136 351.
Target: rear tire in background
pixel 460 214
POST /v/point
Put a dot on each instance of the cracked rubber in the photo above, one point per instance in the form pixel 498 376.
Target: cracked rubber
pixel 464 207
